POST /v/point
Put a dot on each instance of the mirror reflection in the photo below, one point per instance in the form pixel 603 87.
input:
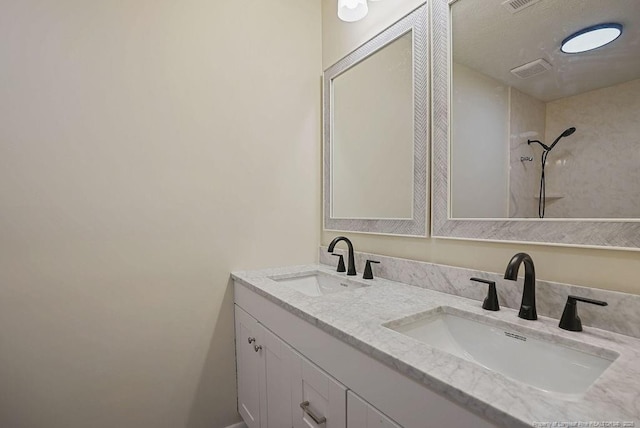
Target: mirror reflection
pixel 537 132
pixel 372 145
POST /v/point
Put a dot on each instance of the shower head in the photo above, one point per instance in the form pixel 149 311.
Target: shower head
pixel 543 158
pixel 566 133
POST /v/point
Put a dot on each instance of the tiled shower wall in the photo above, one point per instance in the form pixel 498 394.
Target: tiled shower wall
pixel 526 121
pixel 590 174
pixel 597 169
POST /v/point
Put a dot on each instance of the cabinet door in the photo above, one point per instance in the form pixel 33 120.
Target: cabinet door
pixel 318 399
pixel 361 414
pixel 248 369
pixel 275 398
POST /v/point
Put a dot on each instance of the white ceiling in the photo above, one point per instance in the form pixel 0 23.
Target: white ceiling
pixel 492 40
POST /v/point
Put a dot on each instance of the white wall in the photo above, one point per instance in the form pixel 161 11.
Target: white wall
pixel 608 269
pixel 479 145
pixel 147 149
pixel 339 37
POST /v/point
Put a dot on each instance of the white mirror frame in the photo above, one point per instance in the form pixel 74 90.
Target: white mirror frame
pixel 416 22
pixel 616 233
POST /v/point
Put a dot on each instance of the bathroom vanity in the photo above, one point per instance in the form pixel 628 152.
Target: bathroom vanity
pixel 359 357
pixel 285 359
pixel 414 348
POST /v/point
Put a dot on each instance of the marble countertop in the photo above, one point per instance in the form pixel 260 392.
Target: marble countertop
pixel 357 317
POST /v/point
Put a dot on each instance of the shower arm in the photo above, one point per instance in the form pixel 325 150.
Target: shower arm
pixel 544 146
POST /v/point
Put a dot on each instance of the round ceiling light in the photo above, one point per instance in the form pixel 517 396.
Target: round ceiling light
pixel 352 10
pixel 591 38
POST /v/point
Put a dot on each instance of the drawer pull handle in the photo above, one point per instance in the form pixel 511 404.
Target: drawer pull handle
pixel 257 347
pixel 318 420
pixel 251 340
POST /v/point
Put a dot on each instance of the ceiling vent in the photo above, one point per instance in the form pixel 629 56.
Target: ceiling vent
pixel 515 6
pixel 531 69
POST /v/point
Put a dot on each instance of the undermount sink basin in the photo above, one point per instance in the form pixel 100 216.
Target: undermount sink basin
pixel 542 364
pixel 317 283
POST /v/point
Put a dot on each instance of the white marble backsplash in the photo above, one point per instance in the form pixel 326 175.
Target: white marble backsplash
pixel 622 315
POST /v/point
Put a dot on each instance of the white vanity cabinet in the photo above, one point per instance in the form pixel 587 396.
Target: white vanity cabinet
pixel 248 367
pixel 279 388
pixel 331 379
pixel 264 374
pixel 361 414
pixel 319 401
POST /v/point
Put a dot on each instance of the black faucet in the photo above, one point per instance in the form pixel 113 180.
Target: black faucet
pixel 368 273
pixel 351 270
pixel 570 319
pixel 490 302
pixel 528 306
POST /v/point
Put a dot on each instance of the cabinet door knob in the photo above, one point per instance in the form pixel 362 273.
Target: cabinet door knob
pixel 257 347
pixel 318 420
pixel 251 340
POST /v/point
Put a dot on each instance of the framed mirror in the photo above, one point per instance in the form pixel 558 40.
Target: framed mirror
pixel 375 129
pixel 535 142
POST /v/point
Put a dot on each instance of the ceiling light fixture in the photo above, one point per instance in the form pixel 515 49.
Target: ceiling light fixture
pixel 591 38
pixel 352 10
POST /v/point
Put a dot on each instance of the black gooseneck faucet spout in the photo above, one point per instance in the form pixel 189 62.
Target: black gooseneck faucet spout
pixel 351 269
pixel 528 306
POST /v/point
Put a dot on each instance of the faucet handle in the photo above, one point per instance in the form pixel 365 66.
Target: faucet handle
pixel 570 319
pixel 341 267
pixel 368 273
pixel 491 301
